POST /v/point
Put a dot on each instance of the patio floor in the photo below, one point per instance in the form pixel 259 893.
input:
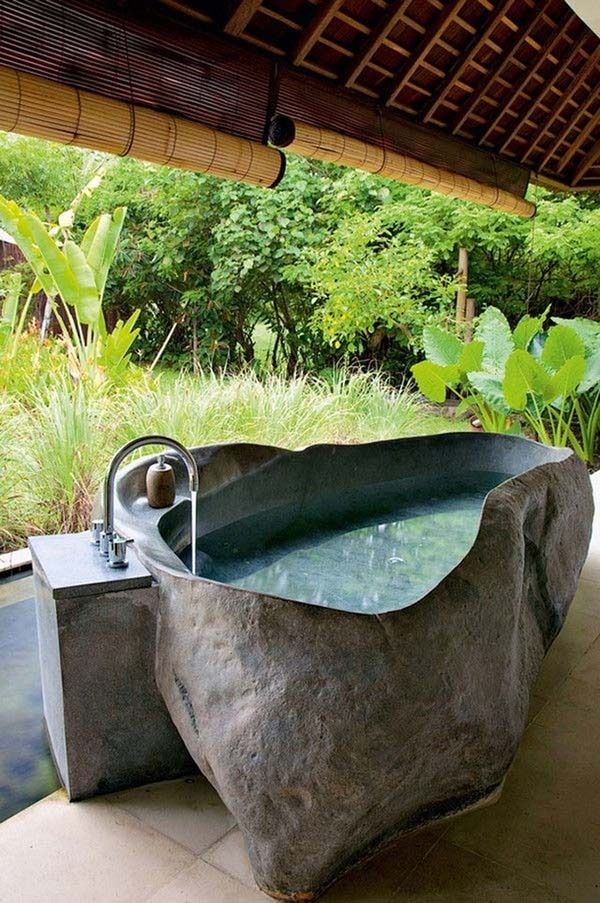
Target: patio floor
pixel 176 842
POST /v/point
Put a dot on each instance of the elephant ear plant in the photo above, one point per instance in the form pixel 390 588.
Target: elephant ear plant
pixel 546 382
pixel 76 274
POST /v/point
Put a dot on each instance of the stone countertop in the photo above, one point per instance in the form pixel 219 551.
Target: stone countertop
pixel 72 566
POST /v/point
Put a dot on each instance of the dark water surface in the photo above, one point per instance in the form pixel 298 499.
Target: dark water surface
pixel 26 770
pixel 394 546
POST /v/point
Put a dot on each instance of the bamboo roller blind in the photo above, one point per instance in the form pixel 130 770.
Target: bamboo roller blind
pixel 37 106
pixel 333 147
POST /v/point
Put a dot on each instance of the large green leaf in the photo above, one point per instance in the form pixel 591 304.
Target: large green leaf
pixel 562 343
pixel 54 260
pixel 115 346
pixel 523 376
pixel 490 389
pixel 471 357
pixel 587 330
pixel 10 305
pixel 493 330
pixel 88 305
pixel 99 244
pixel 526 330
pixel 592 372
pixel 566 380
pixel 433 380
pixel 14 221
pixel 441 347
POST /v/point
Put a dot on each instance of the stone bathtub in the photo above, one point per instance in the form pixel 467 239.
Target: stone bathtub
pixel 355 659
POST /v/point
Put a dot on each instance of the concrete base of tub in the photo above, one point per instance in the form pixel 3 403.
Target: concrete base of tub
pixel 329 733
pixel 106 721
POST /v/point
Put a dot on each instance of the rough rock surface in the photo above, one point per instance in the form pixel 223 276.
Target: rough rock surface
pixel 328 733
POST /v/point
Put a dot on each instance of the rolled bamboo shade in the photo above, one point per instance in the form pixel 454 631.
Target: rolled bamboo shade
pixel 36 106
pixel 333 147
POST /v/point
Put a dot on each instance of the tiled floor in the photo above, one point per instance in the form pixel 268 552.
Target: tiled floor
pixel 176 842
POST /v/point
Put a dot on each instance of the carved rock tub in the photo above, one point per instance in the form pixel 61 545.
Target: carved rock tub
pixel 356 660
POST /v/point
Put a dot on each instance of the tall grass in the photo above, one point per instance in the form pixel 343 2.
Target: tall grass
pixel 57 445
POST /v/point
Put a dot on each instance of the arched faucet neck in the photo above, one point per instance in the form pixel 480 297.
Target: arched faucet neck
pixel 127 449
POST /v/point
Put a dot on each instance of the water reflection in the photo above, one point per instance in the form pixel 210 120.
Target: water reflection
pixel 26 770
pixel 375 563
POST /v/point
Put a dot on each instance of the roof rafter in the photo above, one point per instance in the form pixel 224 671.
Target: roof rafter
pixel 585 133
pixel 463 64
pixel 570 124
pixel 546 88
pixel 392 15
pixel 531 73
pixel 187 10
pixel 240 16
pixel 591 158
pixel 323 16
pixel 502 65
pixel 423 48
pixel 574 87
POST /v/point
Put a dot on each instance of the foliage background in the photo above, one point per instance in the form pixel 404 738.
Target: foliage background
pixel 333 266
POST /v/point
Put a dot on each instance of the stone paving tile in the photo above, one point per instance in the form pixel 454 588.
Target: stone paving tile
pixel 452 875
pixel 536 704
pixel 587 669
pixel 201 883
pixel 588 596
pixel 578 634
pixel 188 811
pixel 546 825
pixel 88 852
pixel 230 856
pixel 581 694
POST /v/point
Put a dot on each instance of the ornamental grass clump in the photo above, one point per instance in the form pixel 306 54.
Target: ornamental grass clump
pixel 59 441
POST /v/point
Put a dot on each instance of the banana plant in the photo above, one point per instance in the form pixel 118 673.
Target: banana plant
pixel 546 381
pixel 76 275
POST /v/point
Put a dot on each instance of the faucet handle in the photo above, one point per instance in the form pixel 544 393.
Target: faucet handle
pixel 117 551
pixel 95 531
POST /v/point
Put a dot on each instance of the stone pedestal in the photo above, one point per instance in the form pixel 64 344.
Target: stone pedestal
pixel 107 723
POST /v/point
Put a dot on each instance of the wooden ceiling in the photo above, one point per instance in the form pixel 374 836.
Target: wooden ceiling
pixel 494 89
pixel 520 78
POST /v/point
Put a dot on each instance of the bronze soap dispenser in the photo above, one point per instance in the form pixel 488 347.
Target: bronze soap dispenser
pixel 160 484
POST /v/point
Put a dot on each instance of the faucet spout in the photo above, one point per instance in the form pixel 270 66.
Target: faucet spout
pixel 107 537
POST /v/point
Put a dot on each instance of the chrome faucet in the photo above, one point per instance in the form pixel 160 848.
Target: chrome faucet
pixel 111 544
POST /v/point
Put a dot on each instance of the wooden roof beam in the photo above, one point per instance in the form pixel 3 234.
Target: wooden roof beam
pixel 240 16
pixel 576 145
pixel 445 17
pixel 462 64
pixel 496 72
pixel 525 113
pixel 570 125
pixel 591 158
pixel 323 16
pixel 187 10
pixel 371 45
pixel 583 73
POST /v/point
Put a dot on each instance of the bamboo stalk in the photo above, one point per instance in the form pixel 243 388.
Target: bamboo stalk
pixel 461 292
pixel 469 317
pixel 333 147
pixel 37 106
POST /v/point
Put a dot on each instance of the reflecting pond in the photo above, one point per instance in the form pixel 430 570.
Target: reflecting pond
pixel 26 770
